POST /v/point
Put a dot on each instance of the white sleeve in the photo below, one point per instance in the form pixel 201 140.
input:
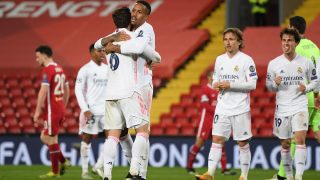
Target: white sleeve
pixel 216 72
pixel 151 54
pixel 98 43
pixel 312 78
pixel 135 45
pixel 80 89
pixel 270 83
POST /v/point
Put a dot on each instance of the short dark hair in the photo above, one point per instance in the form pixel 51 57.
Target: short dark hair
pixel 44 49
pixel 145 4
pixel 292 32
pixel 91 47
pixel 122 17
pixel 238 33
pixel 298 23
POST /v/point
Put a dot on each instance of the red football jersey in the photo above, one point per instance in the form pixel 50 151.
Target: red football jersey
pixel 54 76
pixel 209 98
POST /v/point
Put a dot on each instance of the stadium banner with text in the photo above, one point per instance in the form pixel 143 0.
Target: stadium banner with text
pixel 164 151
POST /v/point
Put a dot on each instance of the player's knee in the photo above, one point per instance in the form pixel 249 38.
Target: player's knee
pixel 285 144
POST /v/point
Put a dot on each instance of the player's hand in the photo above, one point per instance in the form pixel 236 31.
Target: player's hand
pixel 88 115
pixel 224 85
pixel 109 48
pixel 36 119
pixel 122 36
pixel 216 85
pixel 277 80
pixel 302 87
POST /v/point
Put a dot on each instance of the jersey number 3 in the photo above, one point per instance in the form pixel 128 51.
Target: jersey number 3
pixel 59 79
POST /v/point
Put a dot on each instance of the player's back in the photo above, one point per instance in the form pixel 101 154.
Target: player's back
pixel 54 76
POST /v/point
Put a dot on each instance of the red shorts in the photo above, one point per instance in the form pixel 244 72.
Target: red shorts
pixel 205 125
pixel 52 124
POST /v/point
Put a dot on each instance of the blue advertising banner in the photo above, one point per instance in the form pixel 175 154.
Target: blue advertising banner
pixel 164 151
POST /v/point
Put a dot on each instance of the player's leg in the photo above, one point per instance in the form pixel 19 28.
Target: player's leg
pixel 242 133
pixel 114 122
pixel 223 162
pixel 147 95
pixel 126 143
pixel 84 154
pixel 203 133
pixel 52 142
pixel 283 130
pixel 135 112
pixel 300 127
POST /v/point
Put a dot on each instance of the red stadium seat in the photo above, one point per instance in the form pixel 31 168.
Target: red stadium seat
pixel 30 93
pixel 192 110
pixel 19 102
pixel 14 129
pixel 29 130
pixel 157 130
pixel 8 112
pixel 188 130
pixel 5 102
pixel 26 83
pixel 11 121
pixel 13 83
pixel 73 129
pixel 166 119
pixel 156 81
pixel 22 112
pixel 3 92
pixel 176 109
pixel 26 121
pixel 3 130
pixel 181 120
pixel 186 100
pixel 172 130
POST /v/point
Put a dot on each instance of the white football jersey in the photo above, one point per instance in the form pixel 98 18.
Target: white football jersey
pixel 90 87
pixel 144 34
pixel 122 74
pixel 240 72
pixel 289 100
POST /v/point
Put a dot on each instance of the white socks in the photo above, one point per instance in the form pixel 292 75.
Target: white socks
pixel 214 157
pixel 287 162
pixel 84 154
pixel 300 159
pixel 126 145
pixel 109 154
pixel 99 163
pixel 245 159
pixel 144 162
pixel 138 150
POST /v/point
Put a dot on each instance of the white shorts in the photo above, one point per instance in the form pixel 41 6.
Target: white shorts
pixel 129 112
pixel 147 93
pixel 239 125
pixel 285 126
pixel 91 126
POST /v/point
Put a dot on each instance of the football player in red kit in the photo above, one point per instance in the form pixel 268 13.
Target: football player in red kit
pixel 52 99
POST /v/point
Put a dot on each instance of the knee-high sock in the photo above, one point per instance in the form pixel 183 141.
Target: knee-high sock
pixel 138 149
pixel 300 159
pixel 281 171
pixel 287 162
pixel 84 154
pixel 223 160
pixel 245 159
pixel 99 163
pixel 192 155
pixel 54 157
pixel 109 155
pixel 144 162
pixel 126 145
pixel 62 159
pixel 214 157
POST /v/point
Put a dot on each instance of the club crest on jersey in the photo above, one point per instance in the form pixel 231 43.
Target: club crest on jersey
pixel 114 62
pixel 236 68
pixel 252 69
pixel 299 70
pixel 140 33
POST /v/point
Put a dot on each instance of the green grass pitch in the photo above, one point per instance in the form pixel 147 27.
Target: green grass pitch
pixel 10 172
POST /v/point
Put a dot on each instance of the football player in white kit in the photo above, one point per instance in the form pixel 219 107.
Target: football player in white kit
pixel 288 75
pixel 90 90
pixel 124 100
pixel 234 76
